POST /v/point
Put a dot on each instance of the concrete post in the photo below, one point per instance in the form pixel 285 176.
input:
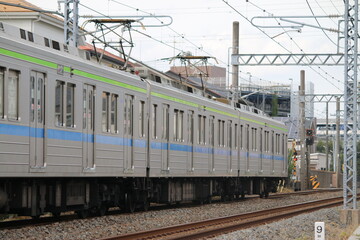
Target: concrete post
pixel 303 165
pixel 235 50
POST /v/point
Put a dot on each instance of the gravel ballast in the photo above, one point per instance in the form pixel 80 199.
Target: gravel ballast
pixel 299 227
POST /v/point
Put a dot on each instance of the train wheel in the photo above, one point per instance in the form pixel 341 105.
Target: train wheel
pixel 84 213
pixel 146 205
pixel 242 195
pixel 130 203
pixel 261 194
pixel 102 210
pixel 266 194
pixel 223 198
pixel 56 214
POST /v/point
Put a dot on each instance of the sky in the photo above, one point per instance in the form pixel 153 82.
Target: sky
pixel 204 27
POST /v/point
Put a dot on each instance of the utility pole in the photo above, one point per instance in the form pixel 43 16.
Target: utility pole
pixel 71 22
pixel 350 214
pixel 303 163
pixel 327 137
pixel 235 50
pixel 337 144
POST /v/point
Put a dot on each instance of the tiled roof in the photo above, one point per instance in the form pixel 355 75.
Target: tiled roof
pixel 9 9
pixel 6 8
pixel 89 47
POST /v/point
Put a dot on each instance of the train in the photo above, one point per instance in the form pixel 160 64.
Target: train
pixel 76 135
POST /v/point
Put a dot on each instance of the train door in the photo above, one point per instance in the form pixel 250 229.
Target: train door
pixel 212 144
pixel 88 126
pixel 37 120
pixel 191 140
pixel 165 139
pixel 129 133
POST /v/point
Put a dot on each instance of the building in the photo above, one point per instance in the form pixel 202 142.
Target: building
pixel 216 76
pixel 36 22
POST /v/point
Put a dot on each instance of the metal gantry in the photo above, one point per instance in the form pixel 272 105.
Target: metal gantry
pixel 71 22
pixel 288 59
pixel 350 103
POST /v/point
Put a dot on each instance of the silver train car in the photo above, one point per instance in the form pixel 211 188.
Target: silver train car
pixel 79 136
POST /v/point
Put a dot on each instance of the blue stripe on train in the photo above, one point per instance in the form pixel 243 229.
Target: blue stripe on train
pixel 25 131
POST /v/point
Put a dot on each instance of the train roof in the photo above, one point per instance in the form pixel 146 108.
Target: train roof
pixel 37 41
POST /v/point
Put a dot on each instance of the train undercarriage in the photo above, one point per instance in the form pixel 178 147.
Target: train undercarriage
pixel 36 196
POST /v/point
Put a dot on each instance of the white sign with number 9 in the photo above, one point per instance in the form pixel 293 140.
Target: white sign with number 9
pixel 319 231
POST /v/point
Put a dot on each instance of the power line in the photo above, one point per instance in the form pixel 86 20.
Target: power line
pixel 335 6
pixel 281 45
pixel 317 21
pixel 160 41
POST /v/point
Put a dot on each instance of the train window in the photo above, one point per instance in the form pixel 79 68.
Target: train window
pixel 211 131
pixel 179 125
pixel 266 144
pixel 70 91
pixel 32 97
pixel 236 141
pixel 253 135
pixel 142 119
pixel 272 142
pixel 154 121
pixel 201 129
pixel 165 125
pixel 176 125
pixel 221 133
pixel 105 112
pixel 247 137
pixel 191 126
pixel 241 136
pixel 13 95
pixel 261 140
pixel 229 137
pixel 2 77
pixel 59 100
pixel 39 100
pixel 113 113
pixel 84 109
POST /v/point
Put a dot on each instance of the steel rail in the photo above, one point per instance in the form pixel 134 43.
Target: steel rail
pixel 223 225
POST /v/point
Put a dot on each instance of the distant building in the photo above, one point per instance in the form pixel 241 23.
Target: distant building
pixel 216 75
pixel 273 100
pixel 40 23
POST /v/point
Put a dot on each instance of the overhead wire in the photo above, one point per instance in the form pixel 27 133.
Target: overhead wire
pixel 317 21
pixel 287 33
pixel 174 31
pixel 281 45
pixel 335 7
pixel 163 42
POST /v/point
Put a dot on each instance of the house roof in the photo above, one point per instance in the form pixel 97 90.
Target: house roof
pixel 7 8
pixel 15 9
pixel 111 57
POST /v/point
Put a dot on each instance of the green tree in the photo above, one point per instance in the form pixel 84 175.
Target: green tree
pixel 274 105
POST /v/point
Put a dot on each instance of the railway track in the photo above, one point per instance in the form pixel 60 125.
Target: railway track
pixel 218 226
pixel 69 217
